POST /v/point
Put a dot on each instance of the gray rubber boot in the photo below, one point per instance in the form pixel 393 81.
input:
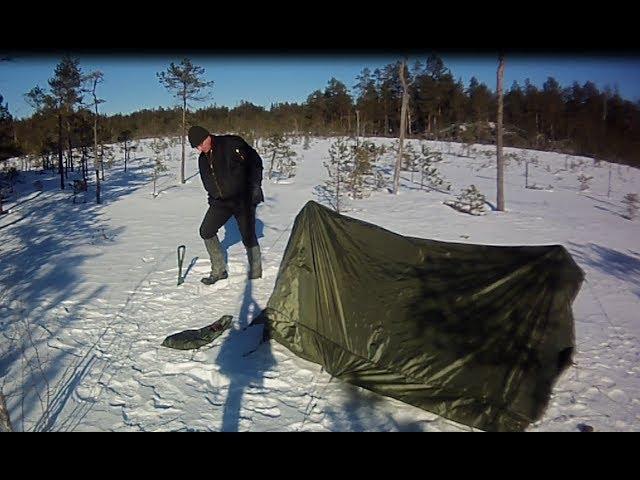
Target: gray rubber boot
pixel 255 262
pixel 218 267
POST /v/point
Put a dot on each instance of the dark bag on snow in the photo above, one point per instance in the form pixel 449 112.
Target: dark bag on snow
pixel 192 339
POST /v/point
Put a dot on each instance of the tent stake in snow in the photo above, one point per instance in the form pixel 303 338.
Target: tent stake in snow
pixel 181 251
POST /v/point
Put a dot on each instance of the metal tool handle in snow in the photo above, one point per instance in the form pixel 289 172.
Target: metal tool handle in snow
pixel 182 249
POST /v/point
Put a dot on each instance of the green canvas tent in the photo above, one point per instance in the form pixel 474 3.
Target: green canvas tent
pixel 474 333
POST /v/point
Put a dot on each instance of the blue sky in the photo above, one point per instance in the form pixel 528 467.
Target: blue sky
pixel 130 82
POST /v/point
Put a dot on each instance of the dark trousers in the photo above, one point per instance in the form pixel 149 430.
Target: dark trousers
pixel 217 215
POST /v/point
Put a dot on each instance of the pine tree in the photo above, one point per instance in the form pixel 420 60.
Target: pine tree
pixel 428 170
pixel 584 182
pixel 367 102
pixel 470 201
pixel 282 156
pixel 186 83
pixel 65 95
pixel 362 176
pixel 8 148
pixel 159 148
pixel 125 138
pixel 410 160
pixel 339 168
pixel 338 105
pixel 107 156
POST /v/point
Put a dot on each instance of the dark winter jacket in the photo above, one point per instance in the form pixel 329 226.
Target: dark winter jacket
pixel 232 170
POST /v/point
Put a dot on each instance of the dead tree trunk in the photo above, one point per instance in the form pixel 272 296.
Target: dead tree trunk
pixel 126 154
pixel 403 127
pixel 184 127
pixel 70 146
pixel 60 166
pixel 96 159
pixel 500 159
pixel 102 161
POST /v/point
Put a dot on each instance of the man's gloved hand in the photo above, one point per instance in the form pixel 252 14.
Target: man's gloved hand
pixel 256 195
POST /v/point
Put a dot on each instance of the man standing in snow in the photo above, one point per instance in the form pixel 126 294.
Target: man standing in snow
pixel 231 172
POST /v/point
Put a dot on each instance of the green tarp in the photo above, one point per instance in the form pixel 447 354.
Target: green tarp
pixel 474 333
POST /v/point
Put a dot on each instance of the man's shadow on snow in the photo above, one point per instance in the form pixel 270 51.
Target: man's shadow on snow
pixel 243 358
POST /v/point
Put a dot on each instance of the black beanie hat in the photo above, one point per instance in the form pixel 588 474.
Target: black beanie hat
pixel 197 135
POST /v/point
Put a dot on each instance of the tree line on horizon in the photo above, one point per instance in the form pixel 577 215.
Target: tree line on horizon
pixel 577 119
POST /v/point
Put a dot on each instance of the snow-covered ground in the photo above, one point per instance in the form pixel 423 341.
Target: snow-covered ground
pixel 88 292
